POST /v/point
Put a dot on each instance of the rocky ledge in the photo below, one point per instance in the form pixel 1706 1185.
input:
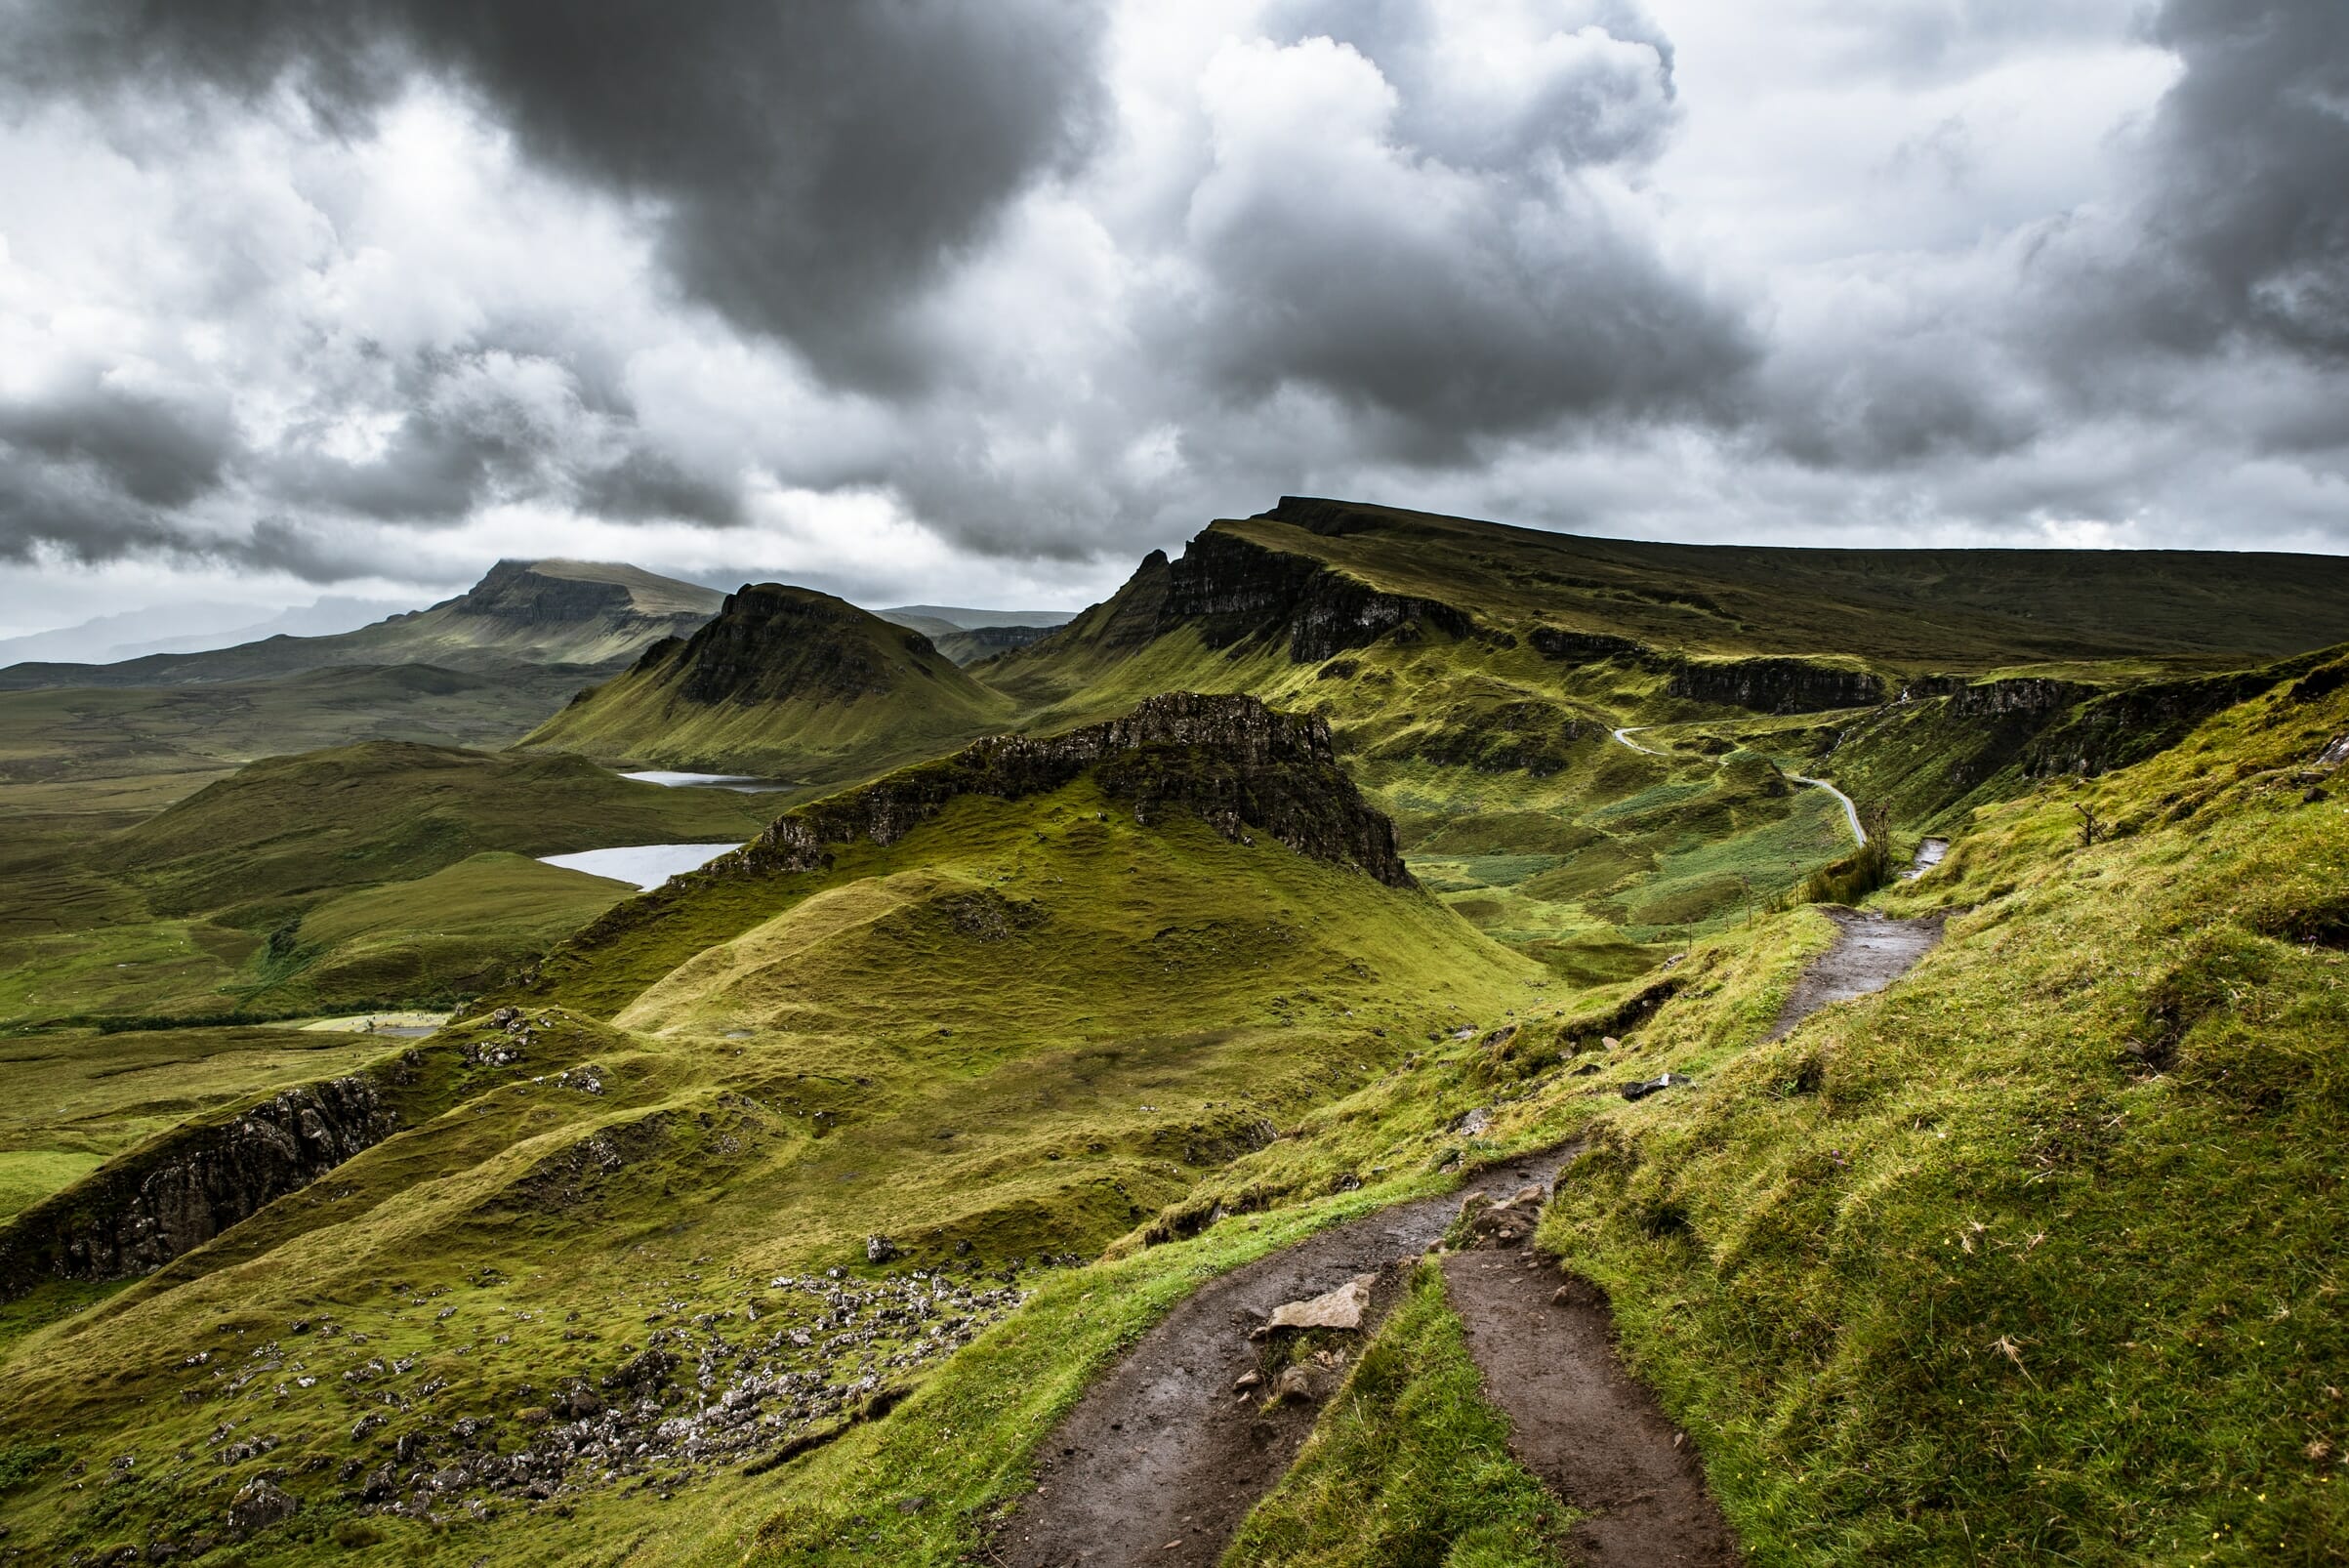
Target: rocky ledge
pixel 136 1214
pixel 1239 594
pixel 1227 759
pixel 1776 685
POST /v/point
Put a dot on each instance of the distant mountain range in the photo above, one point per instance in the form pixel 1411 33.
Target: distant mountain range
pixel 542 612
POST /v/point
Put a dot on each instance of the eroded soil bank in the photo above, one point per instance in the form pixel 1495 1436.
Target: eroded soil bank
pixel 1580 1422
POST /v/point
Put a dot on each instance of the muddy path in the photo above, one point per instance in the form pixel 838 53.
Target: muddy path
pixel 1161 1460
pixel 1580 1422
pixel 1871 952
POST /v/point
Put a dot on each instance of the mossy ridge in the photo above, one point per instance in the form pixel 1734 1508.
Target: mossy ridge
pixel 785 682
pixel 1226 760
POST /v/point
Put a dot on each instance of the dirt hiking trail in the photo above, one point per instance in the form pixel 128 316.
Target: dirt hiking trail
pixel 1871 952
pixel 1160 1461
pixel 1579 1420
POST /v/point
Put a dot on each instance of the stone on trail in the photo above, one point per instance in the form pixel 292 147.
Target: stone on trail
pixel 1341 1308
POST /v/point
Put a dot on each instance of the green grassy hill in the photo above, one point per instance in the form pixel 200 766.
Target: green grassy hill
pixel 1472 672
pixel 896 1126
pixel 783 681
pixel 1014 1031
pixel 522 612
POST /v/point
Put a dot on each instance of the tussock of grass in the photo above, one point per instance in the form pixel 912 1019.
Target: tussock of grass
pixel 1409 1463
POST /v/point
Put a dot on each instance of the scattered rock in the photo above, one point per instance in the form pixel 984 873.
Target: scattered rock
pixel 880 1249
pixel 1296 1382
pixel 1643 1088
pixel 1248 1381
pixel 261 1504
pixel 1341 1308
pixel 1474 1123
pixel 1500 1225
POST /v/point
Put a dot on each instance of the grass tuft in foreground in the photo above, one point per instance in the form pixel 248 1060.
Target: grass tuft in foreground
pixel 1409 1465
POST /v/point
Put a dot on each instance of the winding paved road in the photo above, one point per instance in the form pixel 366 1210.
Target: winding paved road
pixel 1851 813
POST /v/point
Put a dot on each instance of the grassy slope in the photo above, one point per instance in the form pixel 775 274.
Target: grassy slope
pixel 1955 1272
pixel 157 743
pixel 212 905
pixel 1821 1255
pixel 811 688
pixel 1068 1096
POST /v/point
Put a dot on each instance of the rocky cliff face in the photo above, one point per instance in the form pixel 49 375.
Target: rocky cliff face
pixel 1776 685
pixel 986 642
pixel 772 642
pixel 133 1215
pixel 1229 761
pixel 1238 592
pixel 512 591
pixel 2130 725
pixel 1590 647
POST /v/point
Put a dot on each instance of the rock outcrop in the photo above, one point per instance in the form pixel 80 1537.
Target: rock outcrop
pixel 1239 594
pixel 1229 761
pixel 136 1214
pixel 515 590
pixel 2131 725
pixel 1776 685
pixel 772 642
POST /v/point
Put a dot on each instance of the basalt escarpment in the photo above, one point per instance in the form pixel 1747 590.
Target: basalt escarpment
pixel 2131 725
pixel 1229 761
pixel 136 1214
pixel 1239 595
pixel 513 590
pixel 1776 685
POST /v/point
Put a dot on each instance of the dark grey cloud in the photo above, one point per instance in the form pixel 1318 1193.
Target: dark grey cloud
pixel 1055 280
pixel 813 164
pixel 156 449
pixel 2246 221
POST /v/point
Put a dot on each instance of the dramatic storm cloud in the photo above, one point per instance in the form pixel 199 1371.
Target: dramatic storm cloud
pixel 923 298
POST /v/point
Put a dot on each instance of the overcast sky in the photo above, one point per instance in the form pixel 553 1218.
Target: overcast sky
pixel 977 302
